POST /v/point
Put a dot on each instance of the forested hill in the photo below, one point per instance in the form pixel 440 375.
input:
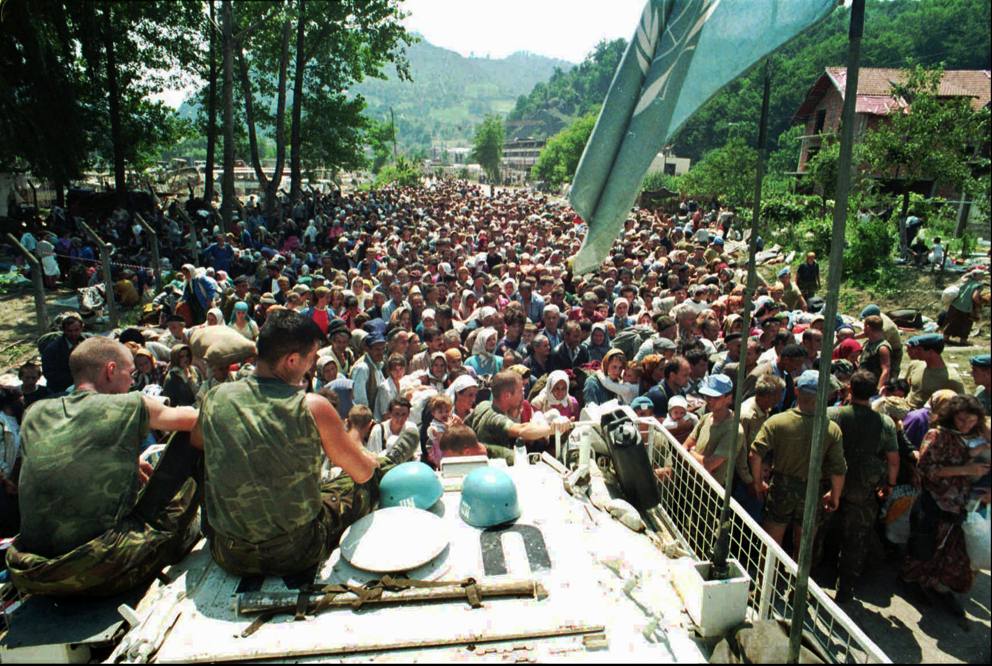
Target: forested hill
pixel 450 94
pixel 897 34
pixel 553 104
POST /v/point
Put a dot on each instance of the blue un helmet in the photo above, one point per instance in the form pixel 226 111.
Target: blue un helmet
pixel 410 484
pixel 489 497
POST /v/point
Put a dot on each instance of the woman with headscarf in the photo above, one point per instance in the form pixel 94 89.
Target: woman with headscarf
pixel 467 304
pixel 182 378
pixel 483 360
pixel 621 318
pixel 146 370
pixel 463 392
pixel 437 371
pixel 963 310
pixel 242 323
pixel 599 342
pixel 199 292
pixel 555 396
pixel 607 383
pixel 949 466
pixel 652 372
pixel 49 264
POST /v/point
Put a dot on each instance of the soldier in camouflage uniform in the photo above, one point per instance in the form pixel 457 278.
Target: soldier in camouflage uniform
pixel 867 436
pixel 87 526
pixel 787 438
pixel 263 439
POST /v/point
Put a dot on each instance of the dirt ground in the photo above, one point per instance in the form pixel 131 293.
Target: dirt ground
pixel 18 325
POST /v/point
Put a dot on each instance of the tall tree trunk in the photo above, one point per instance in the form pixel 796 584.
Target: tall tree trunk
pixel 208 187
pixel 227 179
pixel 295 167
pixel 270 185
pixel 273 187
pixel 246 92
pixel 114 99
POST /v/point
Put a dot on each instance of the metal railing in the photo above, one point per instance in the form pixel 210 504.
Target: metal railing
pixel 690 505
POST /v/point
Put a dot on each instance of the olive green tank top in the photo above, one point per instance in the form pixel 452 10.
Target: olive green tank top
pixel 262 457
pixel 79 474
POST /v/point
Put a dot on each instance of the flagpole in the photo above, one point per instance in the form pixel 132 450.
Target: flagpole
pixel 719 569
pixel 820 420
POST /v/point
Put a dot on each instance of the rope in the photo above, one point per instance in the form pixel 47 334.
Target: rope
pixel 97 261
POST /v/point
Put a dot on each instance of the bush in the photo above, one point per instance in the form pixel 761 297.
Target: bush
pixel 655 180
pixel 813 234
pixel 869 245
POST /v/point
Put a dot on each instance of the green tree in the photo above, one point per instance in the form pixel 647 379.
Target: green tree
pixel 560 156
pixel 337 45
pixel 403 172
pixel 937 139
pixel 725 173
pixel 380 137
pixel 487 148
pixel 77 78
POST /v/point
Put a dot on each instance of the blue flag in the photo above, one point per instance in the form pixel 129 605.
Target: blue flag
pixel 683 53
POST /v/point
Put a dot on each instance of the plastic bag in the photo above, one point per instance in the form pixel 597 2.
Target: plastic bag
pixel 978 540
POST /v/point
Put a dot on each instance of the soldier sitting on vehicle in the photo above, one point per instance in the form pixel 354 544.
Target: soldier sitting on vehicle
pixel 86 527
pixel 262 437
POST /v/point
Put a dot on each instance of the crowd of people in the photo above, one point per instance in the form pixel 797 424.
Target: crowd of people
pixel 421 323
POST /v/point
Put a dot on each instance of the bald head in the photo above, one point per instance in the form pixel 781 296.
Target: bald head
pixel 102 362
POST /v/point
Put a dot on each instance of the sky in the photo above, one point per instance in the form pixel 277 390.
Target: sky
pixel 566 29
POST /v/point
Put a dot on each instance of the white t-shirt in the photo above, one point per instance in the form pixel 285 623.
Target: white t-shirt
pixel 382 437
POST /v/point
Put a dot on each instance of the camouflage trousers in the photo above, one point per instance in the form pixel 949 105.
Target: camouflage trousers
pixel 119 559
pixel 342 503
pixel 857 513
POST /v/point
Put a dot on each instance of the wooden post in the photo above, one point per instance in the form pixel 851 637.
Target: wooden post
pixel 38 285
pixel 108 281
pixel 192 231
pixel 153 243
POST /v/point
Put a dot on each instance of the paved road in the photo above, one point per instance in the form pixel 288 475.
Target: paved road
pixel 910 631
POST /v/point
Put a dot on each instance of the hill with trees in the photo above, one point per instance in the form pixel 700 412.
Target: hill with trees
pixel 449 94
pixel 897 34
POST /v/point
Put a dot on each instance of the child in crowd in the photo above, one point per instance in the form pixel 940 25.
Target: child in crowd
pixel 440 408
pixel 679 421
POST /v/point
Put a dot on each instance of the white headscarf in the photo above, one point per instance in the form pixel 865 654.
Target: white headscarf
pixel 460 384
pixel 547 395
pixel 481 338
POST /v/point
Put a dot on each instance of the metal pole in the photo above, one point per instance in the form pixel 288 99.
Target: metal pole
pixel 721 548
pixel 108 280
pixel 37 283
pixel 820 421
pixel 153 244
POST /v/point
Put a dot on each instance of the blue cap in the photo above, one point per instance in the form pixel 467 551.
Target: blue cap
pixel 871 310
pixel 642 402
pixel 375 329
pixel 783 272
pixel 934 341
pixel 716 386
pixel 718 241
pixel 808 381
pixel 981 361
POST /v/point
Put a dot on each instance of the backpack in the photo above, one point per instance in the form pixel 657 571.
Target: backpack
pixel 630 339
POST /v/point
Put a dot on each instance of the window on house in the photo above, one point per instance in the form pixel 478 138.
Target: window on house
pixel 821 119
